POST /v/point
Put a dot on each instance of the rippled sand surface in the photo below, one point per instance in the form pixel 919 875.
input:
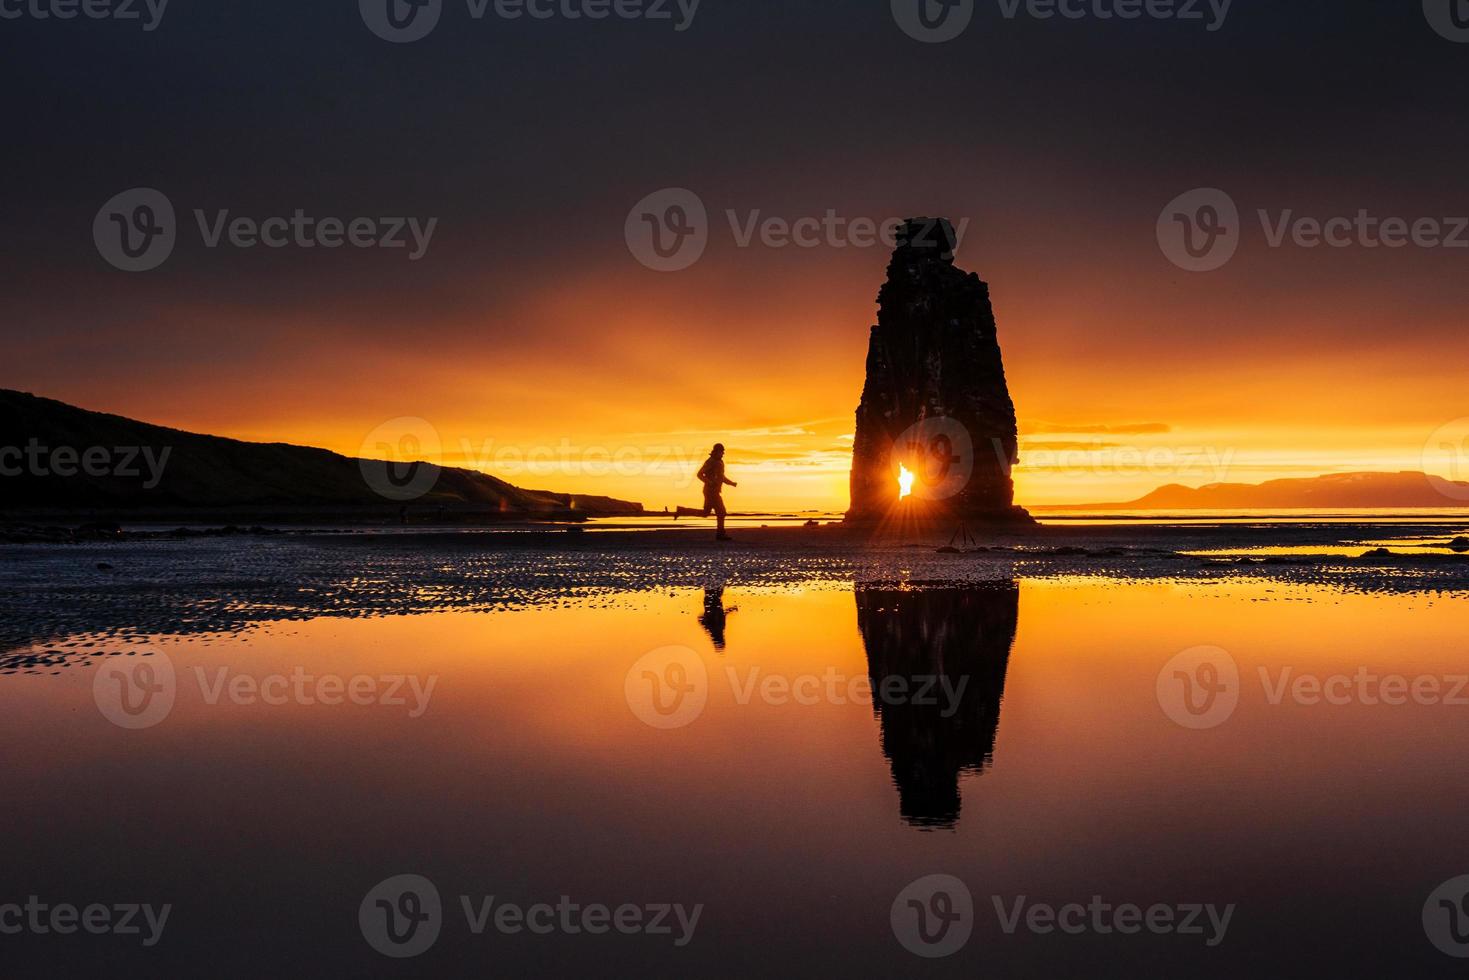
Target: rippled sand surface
pixel 50 593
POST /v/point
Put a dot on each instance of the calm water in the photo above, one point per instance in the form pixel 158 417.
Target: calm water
pixel 718 751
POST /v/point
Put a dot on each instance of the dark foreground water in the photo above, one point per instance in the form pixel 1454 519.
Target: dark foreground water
pixel 1058 776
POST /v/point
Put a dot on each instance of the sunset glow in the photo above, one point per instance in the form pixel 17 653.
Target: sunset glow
pixel 905 482
pixel 550 357
pixel 563 405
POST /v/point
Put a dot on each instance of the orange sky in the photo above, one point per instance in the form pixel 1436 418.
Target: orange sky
pixel 529 326
pixel 617 381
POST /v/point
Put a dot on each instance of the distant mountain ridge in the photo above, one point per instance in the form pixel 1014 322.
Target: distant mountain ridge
pixel 212 472
pixel 1333 491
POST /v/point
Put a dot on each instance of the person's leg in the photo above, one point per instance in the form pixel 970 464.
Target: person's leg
pixel 720 512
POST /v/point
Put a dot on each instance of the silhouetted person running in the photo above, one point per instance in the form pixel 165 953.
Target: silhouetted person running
pixel 711 474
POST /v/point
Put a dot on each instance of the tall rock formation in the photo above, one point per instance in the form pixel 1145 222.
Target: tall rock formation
pixel 936 434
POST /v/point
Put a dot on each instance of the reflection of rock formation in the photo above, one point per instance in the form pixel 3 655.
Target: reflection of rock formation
pixel 934 362
pixel 961 637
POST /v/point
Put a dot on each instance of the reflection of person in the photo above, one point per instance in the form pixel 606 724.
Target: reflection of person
pixel 711 474
pixel 715 615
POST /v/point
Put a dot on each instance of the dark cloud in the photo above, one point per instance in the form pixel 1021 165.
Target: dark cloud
pixel 529 140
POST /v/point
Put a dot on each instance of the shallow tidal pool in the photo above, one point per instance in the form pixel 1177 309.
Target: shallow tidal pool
pixel 1019 778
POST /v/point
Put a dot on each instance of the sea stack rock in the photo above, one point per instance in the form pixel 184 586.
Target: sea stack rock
pixel 936 434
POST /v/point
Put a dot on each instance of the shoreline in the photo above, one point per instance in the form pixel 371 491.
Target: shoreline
pixel 136 588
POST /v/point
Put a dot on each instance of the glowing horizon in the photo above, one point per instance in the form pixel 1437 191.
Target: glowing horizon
pixel 805 464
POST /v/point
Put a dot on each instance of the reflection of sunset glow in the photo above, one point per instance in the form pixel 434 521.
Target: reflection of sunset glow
pixel 905 482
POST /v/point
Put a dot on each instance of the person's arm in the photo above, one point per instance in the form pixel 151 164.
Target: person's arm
pixel 729 481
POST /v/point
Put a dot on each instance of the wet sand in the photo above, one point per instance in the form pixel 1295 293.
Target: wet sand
pixel 160 586
pixel 531 774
